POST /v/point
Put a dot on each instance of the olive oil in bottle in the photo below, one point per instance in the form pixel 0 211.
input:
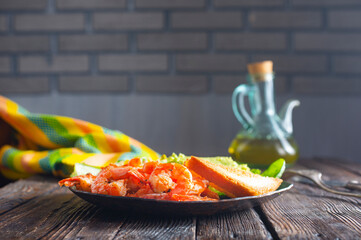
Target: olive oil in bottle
pixel 259 153
pixel 265 136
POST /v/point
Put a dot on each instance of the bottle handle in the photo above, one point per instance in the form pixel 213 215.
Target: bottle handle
pixel 239 109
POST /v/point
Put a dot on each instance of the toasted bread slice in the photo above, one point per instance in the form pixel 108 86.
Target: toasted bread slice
pixel 233 182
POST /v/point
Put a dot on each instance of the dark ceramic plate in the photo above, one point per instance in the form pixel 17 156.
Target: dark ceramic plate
pixel 162 207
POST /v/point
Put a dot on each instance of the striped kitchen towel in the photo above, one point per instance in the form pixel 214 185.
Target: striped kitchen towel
pixel 38 143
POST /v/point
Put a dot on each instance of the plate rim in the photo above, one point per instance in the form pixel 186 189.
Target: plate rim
pixel 279 191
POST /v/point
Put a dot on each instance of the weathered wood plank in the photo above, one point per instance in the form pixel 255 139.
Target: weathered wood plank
pixel 351 167
pixel 344 209
pixel 295 215
pixel 38 208
pixel 21 191
pixel 307 212
pixel 158 227
pixel 51 214
pixel 61 215
pixel 104 224
pixel 332 172
pixel 66 220
pixel 240 225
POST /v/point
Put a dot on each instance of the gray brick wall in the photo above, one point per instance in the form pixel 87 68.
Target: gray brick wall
pixel 172 84
pixel 341 19
pixel 329 42
pixel 213 39
pixel 94 42
pixel 166 4
pixel 90 4
pixel 23 5
pixel 285 19
pixel 82 51
pixel 24 85
pixel 172 41
pixel 247 3
pixel 206 20
pixel 250 41
pixel 5 65
pixel 49 22
pixel 128 21
pixel 3 24
pixel 93 83
pixel 56 64
pixel 139 62
pixel 210 62
pixel 24 44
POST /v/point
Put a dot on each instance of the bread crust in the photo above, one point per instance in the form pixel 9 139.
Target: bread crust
pixel 233 182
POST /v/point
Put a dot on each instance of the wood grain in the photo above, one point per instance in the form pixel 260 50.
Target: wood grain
pixel 59 214
pixel 104 224
pixel 337 163
pixel 334 172
pixel 51 214
pixel 240 225
pixel 21 191
pixel 344 209
pixel 37 208
pixel 306 212
pixel 295 215
pixel 158 227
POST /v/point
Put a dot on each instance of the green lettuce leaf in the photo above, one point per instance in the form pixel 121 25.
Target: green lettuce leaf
pixel 276 169
pixel 82 169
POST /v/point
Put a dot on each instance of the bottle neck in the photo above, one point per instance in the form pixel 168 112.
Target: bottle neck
pixel 264 98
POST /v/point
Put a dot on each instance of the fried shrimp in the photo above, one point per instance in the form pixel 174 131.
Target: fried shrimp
pixel 82 182
pixel 151 180
pixel 171 177
pixel 112 180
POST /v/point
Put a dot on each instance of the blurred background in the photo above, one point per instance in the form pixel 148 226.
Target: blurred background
pixel 162 71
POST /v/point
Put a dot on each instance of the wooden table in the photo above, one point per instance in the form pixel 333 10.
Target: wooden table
pixel 37 208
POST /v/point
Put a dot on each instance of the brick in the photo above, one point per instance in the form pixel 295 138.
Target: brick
pixel 24 85
pixel 346 64
pixel 170 4
pixel 90 4
pixel 139 62
pixel 327 3
pixel 24 43
pixel 344 19
pixel 226 84
pixel 23 4
pixel 5 65
pixel 175 84
pixel 250 41
pixel 93 83
pixel 296 63
pixel 96 42
pixel 210 63
pixel 248 3
pixel 208 20
pixel 326 85
pixel 282 19
pixel 3 24
pixel 50 22
pixel 172 41
pixel 328 41
pixel 58 64
pixel 128 21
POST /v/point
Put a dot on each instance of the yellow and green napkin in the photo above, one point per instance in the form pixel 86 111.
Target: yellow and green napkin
pixel 38 143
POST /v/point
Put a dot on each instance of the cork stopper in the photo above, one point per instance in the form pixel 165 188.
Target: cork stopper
pixel 260 67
